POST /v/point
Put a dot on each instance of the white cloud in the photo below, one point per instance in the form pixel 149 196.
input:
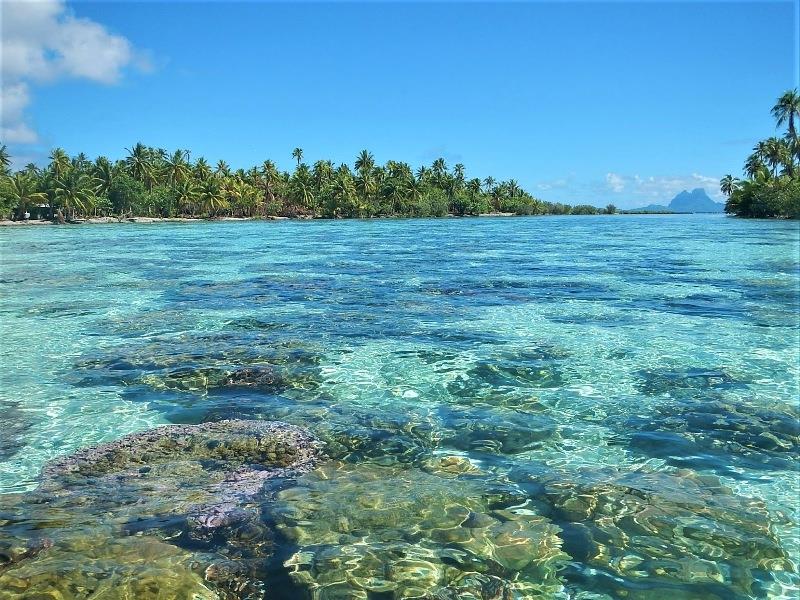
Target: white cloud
pixel 615 182
pixel 43 41
pixel 661 189
pixel 554 184
pixel 14 98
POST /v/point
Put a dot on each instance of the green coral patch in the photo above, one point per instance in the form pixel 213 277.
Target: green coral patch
pixel 407 533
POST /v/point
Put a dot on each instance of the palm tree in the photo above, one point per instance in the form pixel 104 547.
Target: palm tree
pixel 81 161
pixel 414 192
pixel 786 110
pixel 474 187
pixel 458 172
pixel 394 191
pixel 760 150
pixel 222 169
pixel 23 193
pixel 343 195
pixel 754 165
pixel 489 183
pixel 59 162
pixel 271 178
pixel 512 187
pixel 301 188
pixel 776 153
pixel 139 163
pixel 322 173
pixel 728 185
pixel 243 197
pixel 297 154
pixel 75 192
pixel 103 175
pixel 367 186
pixel 364 162
pixel 202 170
pixel 439 168
pixel 186 196
pixel 212 200
pixel 5 160
pixel 177 168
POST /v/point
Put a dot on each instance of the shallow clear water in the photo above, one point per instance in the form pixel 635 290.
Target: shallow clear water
pixel 617 396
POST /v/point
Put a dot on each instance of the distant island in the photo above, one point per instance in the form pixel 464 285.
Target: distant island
pixel 150 184
pixel 696 201
pixel 772 185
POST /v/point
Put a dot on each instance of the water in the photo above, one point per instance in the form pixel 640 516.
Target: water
pixel 576 407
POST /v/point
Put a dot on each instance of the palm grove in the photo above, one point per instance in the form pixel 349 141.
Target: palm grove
pixel 772 184
pixel 152 182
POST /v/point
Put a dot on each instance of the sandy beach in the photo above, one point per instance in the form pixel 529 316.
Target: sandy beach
pixel 138 220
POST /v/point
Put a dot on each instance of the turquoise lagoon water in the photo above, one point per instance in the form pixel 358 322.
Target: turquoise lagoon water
pixel 577 407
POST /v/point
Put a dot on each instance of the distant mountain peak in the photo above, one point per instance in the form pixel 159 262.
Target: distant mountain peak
pixel 696 201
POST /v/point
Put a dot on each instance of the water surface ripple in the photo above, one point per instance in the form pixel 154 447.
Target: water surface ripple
pixel 559 407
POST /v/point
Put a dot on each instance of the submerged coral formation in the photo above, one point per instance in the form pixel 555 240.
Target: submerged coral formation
pixel 123 568
pixel 13 423
pixel 720 433
pixel 281 447
pixel 199 486
pixel 671 531
pixel 495 430
pixel 366 529
pixel 207 472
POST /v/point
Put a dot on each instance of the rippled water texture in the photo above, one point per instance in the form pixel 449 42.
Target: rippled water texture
pixel 578 407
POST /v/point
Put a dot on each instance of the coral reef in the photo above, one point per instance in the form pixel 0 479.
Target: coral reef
pixel 365 529
pixel 665 531
pixel 202 487
pixel 722 433
pixel 127 568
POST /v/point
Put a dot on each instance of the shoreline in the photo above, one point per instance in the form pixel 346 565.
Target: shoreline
pixel 134 220
pixel 157 220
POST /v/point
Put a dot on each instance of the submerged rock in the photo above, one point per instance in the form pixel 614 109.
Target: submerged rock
pixel 228 361
pixel 364 529
pixel 14 424
pixel 721 433
pixel 281 447
pixel 450 466
pixel 645 534
pixel 662 381
pixel 202 487
pixel 495 430
pixel 267 378
pixel 533 368
pixel 143 568
pixel 207 471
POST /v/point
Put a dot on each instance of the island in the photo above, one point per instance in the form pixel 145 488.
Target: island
pixel 771 188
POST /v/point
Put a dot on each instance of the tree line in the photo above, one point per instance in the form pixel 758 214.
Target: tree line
pixel 155 183
pixel 771 188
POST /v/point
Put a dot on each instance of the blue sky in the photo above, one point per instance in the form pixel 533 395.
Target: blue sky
pixel 623 102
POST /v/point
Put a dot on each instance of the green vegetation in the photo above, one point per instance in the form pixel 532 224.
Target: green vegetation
pixel 154 183
pixel 772 187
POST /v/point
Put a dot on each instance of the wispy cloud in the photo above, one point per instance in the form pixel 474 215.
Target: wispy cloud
pixel 14 97
pixel 616 183
pixel 560 183
pixel 660 188
pixel 623 190
pixel 43 42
